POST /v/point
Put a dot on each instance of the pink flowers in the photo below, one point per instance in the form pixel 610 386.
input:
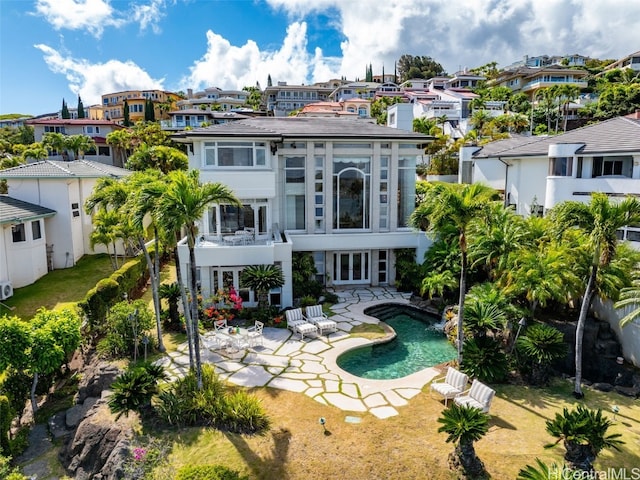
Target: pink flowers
pixel 139 453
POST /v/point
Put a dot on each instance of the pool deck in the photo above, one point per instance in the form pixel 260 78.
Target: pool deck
pixel 310 366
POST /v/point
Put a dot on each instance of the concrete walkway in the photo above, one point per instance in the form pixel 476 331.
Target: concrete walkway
pixel 310 366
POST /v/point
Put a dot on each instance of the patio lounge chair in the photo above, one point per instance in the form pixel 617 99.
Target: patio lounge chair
pixel 452 385
pixel 315 315
pixel 298 324
pixel 478 396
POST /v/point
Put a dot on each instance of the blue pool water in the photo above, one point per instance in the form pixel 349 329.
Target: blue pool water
pixel 417 346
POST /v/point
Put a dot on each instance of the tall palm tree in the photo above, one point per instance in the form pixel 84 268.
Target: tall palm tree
pixel 464 425
pixel 79 145
pixel 106 231
pixel 261 279
pixel 630 297
pixel 181 206
pixel 600 219
pixel 55 141
pixel 447 206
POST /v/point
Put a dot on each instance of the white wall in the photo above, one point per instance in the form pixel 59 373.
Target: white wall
pixel 489 171
pixel 24 262
pixel 629 336
pixel 526 183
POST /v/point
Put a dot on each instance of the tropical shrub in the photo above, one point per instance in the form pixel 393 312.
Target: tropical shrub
pixel 133 389
pixel 208 472
pixel 482 317
pixel 303 271
pixel 409 273
pixel 261 279
pixel 464 426
pixel 16 388
pixel 584 435
pixel 171 293
pixel 144 457
pixel 125 328
pixel 542 471
pixel 538 348
pixel 243 413
pixel 484 359
pixel 224 305
pixel 5 423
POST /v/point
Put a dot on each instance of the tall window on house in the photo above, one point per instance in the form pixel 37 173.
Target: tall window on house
pixel 351 192
pixel 383 200
pixel 294 192
pixel 18 233
pixel 318 194
pixel 36 231
pixel 406 189
pixel 560 166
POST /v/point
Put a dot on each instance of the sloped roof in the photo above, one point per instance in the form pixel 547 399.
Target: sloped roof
pixel 616 135
pixel 13 210
pixel 61 169
pixel 301 127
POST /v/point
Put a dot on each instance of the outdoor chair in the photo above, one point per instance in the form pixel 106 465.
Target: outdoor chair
pixel 297 323
pixel 452 385
pixel 255 334
pixel 478 396
pixel 220 325
pixel 316 316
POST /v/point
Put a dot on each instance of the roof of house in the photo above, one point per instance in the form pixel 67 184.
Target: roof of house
pixel 61 169
pixel 616 135
pixel 13 210
pixel 301 127
pixel 73 121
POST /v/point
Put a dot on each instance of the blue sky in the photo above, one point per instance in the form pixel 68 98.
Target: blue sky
pixel 54 49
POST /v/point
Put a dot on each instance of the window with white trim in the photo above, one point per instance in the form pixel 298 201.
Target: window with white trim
pixel 235 154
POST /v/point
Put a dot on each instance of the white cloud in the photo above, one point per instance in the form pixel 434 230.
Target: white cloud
pixel 96 15
pixel 91 81
pixel 228 66
pixel 472 32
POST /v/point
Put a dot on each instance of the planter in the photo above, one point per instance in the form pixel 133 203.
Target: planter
pixel 443 178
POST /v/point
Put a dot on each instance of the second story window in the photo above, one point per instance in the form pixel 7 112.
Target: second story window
pixel 235 154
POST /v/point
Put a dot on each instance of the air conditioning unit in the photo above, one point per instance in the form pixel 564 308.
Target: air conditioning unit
pixel 6 290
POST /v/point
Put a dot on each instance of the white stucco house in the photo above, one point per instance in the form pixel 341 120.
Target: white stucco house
pixel 339 189
pixel 23 243
pixel 62 187
pixel 544 171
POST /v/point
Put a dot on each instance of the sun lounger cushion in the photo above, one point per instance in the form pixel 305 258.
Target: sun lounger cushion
pixel 478 396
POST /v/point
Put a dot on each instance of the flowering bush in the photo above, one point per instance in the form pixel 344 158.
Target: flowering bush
pixel 224 305
pixel 143 460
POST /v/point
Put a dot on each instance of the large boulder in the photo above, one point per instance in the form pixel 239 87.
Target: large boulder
pixel 96 378
pixel 100 445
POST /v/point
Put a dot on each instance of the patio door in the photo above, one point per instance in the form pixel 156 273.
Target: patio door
pixel 351 268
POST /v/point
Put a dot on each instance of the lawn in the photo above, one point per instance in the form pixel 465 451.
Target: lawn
pixel 59 287
pixel 403 447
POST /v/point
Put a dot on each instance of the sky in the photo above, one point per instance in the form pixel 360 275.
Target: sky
pixel 58 49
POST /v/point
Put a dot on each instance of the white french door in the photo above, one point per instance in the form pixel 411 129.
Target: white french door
pixel 351 267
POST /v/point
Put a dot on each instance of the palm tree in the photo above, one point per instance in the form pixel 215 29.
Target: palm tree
pixel 630 297
pixel 482 316
pixel 120 140
pixel 35 151
pixel 436 283
pixel 464 425
pixel 79 144
pixel 181 206
pixel 542 471
pixel 541 344
pixel 162 157
pixel 584 435
pixel 479 119
pixel 106 231
pixel 600 219
pixel 55 141
pixel 171 293
pixel 454 206
pixel 261 279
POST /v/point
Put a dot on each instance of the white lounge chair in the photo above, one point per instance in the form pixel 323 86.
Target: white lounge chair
pixel 452 385
pixel 298 324
pixel 315 315
pixel 478 396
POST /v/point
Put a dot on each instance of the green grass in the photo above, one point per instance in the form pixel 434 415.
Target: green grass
pixel 58 288
pixel 368 330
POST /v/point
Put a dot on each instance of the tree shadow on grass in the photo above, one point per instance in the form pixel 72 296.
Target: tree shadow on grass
pixel 270 465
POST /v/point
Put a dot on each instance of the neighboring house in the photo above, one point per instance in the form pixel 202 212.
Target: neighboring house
pixel 23 243
pixel 630 61
pixel 352 108
pixel 340 189
pixel 540 172
pixel 195 117
pixel 529 80
pixel 224 100
pixel 14 122
pixel 574 60
pixel 283 99
pixel 354 90
pixel 113 104
pixel 96 129
pixel 62 187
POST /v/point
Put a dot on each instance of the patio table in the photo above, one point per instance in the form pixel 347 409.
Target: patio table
pixel 239 340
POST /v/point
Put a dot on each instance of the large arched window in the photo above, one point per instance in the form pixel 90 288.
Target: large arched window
pixel 351 193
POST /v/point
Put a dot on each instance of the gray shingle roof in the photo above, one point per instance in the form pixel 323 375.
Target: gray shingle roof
pixel 302 127
pixel 13 210
pixel 61 169
pixel 616 135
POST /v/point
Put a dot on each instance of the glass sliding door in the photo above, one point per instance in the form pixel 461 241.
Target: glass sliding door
pixel 351 267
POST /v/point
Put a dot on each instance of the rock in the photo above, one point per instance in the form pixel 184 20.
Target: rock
pixel 76 413
pixel 633 392
pixel 602 386
pixel 624 379
pixel 58 426
pixel 96 378
pixel 99 445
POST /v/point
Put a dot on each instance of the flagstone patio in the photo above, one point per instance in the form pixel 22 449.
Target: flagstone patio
pixel 309 366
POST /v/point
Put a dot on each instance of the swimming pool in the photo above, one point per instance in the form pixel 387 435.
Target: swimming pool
pixel 418 345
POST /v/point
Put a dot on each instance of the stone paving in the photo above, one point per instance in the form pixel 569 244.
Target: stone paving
pixel 309 366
